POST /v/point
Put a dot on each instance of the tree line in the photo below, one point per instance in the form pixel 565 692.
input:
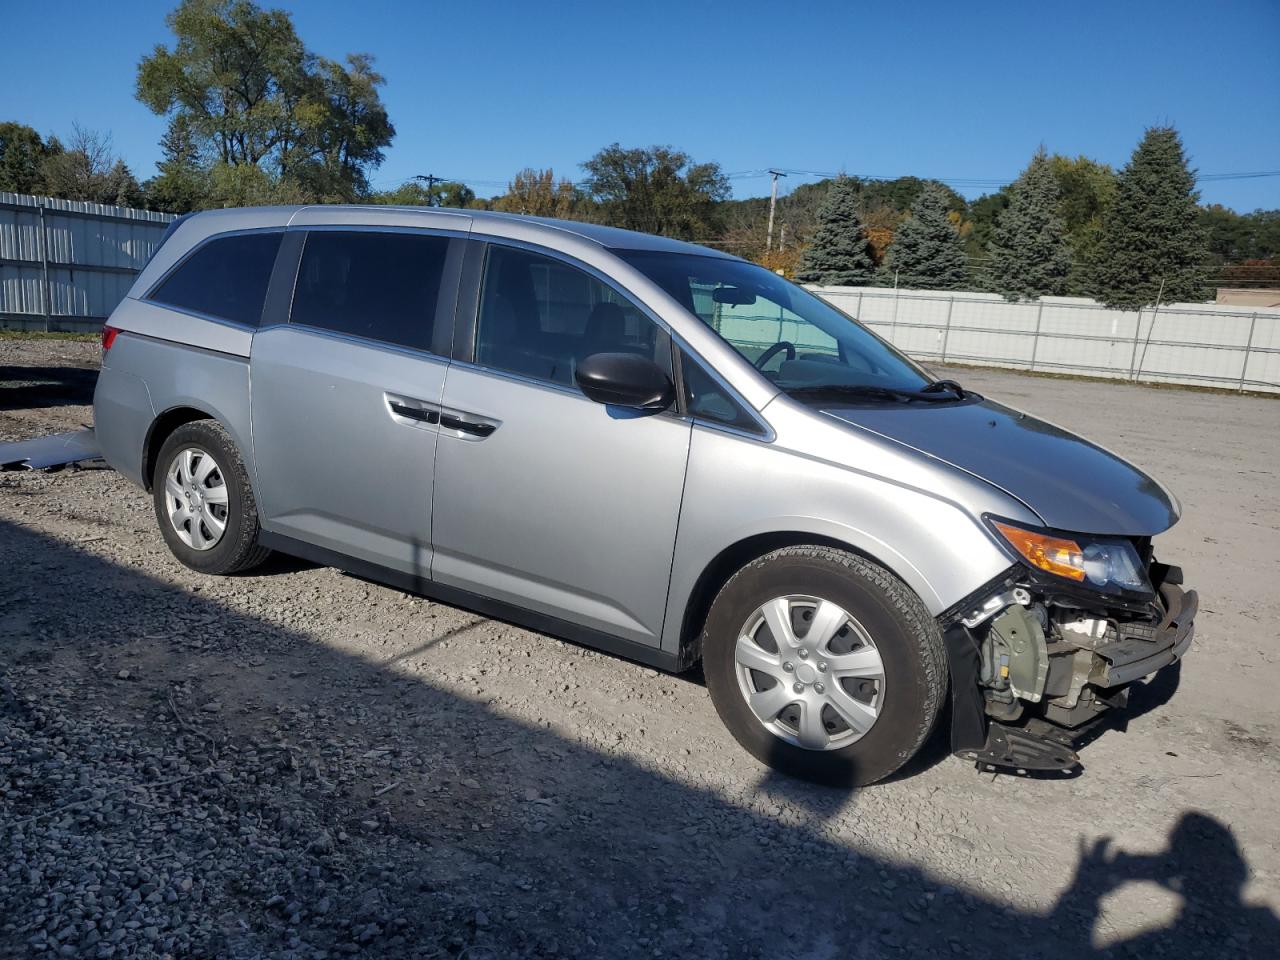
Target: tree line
pixel 1065 226
pixel 254 117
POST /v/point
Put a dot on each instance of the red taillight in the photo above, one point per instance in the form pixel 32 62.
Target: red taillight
pixel 108 337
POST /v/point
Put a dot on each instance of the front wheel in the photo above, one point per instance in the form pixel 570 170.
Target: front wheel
pixel 203 500
pixel 824 665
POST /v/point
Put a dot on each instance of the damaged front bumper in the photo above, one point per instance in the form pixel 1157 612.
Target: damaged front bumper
pixel 1035 665
pixel 1142 650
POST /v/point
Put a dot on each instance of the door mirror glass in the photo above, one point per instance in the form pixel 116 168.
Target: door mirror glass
pixel 625 380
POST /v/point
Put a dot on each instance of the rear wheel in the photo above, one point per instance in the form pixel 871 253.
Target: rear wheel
pixel 824 665
pixel 203 500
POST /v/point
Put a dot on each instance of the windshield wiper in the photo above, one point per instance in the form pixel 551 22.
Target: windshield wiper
pixel 939 385
pixel 840 391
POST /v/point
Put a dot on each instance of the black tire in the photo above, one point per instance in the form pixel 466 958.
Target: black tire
pixel 238 549
pixel 906 636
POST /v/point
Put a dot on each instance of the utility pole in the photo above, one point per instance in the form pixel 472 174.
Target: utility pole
pixel 431 180
pixel 773 201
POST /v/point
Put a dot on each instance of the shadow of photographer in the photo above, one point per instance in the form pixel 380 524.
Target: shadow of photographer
pixel 1204 866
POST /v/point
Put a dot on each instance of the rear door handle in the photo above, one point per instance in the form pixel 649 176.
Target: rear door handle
pixel 450 421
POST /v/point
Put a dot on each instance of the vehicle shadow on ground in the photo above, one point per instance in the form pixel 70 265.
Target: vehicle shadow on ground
pixel 26 387
pixel 338 806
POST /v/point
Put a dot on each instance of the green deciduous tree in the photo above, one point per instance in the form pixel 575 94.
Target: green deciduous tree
pixel 838 254
pixel 1151 232
pixel 537 193
pixel 1085 189
pixel 1233 237
pixel 443 193
pixel 342 129
pixel 250 94
pixel 237 74
pixel 657 190
pixel 248 185
pixel 927 252
pixel 1030 254
pixel 901 193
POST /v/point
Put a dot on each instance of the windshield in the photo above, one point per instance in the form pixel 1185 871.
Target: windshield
pixel 797 340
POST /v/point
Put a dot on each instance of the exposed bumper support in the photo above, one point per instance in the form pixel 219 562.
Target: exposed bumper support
pixel 50 453
pixel 1139 654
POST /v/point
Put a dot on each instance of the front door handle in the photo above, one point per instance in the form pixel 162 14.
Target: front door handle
pixel 414 413
pixel 450 421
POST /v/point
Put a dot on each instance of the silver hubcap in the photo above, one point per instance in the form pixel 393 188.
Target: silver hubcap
pixel 196 495
pixel 810 672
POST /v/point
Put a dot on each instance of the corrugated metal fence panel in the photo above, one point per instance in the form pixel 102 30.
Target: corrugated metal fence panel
pixel 20 290
pixel 94 251
pixel 1206 344
pixel 19 231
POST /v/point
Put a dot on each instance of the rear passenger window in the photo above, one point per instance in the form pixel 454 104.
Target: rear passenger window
pixel 225 278
pixel 382 286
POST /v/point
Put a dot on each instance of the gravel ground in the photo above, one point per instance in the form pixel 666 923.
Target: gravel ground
pixel 298 763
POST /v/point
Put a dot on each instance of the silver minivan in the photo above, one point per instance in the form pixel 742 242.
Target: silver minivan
pixel 653 448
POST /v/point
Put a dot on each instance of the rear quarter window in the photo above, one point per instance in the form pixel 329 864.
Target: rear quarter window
pixel 225 278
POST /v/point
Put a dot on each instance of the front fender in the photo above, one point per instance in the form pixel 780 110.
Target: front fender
pixel 737 490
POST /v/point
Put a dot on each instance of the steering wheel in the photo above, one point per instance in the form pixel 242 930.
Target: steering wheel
pixel 772 352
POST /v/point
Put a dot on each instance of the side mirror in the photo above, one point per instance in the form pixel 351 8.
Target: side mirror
pixel 625 380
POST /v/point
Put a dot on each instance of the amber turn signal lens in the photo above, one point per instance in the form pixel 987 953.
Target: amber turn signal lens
pixel 1052 554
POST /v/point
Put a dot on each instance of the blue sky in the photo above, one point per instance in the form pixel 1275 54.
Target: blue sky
pixel 479 89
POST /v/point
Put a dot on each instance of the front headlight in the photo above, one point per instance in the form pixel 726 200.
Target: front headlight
pixel 1100 562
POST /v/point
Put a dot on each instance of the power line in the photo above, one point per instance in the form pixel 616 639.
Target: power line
pixel 959 181
pixel 1238 176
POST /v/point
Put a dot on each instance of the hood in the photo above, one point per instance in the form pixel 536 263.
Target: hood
pixel 1070 483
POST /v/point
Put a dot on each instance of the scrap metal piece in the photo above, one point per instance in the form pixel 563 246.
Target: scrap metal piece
pixel 50 453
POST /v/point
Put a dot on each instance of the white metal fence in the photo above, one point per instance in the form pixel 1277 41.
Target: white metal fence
pixel 1214 345
pixel 65 264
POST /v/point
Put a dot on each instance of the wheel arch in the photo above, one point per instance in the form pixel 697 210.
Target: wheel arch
pixel 716 573
pixel 161 427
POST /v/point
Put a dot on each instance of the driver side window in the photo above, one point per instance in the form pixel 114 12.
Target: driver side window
pixel 540 317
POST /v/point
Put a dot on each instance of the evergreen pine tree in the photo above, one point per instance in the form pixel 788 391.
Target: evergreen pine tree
pixel 927 252
pixel 1152 230
pixel 1030 254
pixel 837 254
pixel 183 182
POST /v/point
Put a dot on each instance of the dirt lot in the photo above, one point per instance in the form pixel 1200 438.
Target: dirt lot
pixel 299 763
